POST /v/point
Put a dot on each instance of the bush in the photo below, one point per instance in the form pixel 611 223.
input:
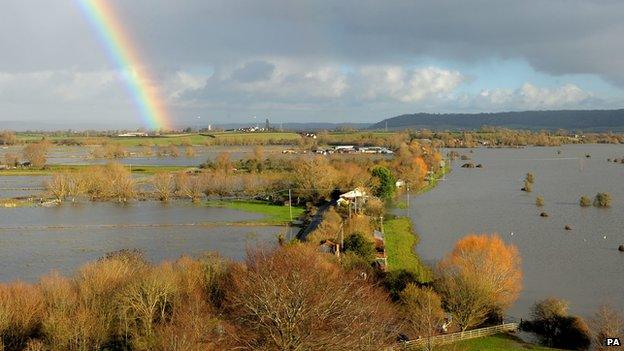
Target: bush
pixel 36 154
pixel 602 200
pixel 539 201
pixel 386 182
pixel 528 186
pixel 585 201
pixel 555 327
pixel 361 246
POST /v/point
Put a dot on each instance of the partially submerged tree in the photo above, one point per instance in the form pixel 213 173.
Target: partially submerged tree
pixel 551 322
pixel 539 201
pixel 602 200
pixel 163 186
pixel 36 153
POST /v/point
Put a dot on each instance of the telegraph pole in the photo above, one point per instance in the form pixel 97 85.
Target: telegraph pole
pixel 290 204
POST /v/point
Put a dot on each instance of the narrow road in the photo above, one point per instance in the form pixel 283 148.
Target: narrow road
pixel 315 222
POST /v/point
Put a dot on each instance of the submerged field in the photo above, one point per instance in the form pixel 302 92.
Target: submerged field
pixel 581 265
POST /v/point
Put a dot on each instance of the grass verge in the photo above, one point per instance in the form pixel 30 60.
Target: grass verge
pixel 274 214
pixel 499 342
pixel 400 243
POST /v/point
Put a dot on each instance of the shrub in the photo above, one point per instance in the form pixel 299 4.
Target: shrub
pixel 386 182
pixel 602 200
pixel 585 201
pixel 11 159
pixel 528 186
pixel 8 138
pixel 163 184
pixel 539 201
pixel 361 246
pixel 21 311
pixel 607 322
pixel 36 153
pixel 555 327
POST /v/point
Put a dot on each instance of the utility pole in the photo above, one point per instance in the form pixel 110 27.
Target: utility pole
pixel 290 204
pixel 408 196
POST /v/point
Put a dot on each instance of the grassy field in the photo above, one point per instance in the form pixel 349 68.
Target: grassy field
pixel 217 138
pixel 400 243
pixel 49 170
pixel 500 342
pixel 274 214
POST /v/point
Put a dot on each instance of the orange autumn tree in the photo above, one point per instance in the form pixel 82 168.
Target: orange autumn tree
pixel 420 168
pixel 479 279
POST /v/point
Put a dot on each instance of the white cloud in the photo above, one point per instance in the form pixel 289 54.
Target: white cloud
pixel 408 85
pixel 530 96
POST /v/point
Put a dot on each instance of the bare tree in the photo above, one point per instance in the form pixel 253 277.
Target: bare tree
pixel 163 186
pixel 190 186
pixel 293 299
pixel 422 312
pixel 608 322
pixel 36 153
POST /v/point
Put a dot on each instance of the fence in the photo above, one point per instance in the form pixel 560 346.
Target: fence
pixel 454 337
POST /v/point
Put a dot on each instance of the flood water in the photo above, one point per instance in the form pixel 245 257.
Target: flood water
pixel 582 266
pixel 71 155
pixel 35 240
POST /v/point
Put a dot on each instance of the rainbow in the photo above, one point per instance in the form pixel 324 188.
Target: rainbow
pixel 124 55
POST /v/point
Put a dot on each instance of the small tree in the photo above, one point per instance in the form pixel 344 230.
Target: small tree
pixel 607 322
pixel 8 138
pixel 422 311
pixel 359 245
pixel 163 185
pixel 386 182
pixel 11 159
pixel 36 153
pixel 602 200
pixel 528 186
pixel 556 328
pixel 539 201
pixel 585 201
pixel 530 178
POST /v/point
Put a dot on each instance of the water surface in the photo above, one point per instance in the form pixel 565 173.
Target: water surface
pixel 581 265
pixel 35 240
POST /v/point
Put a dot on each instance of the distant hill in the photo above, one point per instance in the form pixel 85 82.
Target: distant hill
pixel 299 126
pixel 585 120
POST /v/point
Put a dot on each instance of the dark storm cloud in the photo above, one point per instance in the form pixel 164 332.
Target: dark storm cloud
pixel 358 58
pixel 554 36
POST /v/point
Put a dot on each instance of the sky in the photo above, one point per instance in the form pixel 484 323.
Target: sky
pixel 337 61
